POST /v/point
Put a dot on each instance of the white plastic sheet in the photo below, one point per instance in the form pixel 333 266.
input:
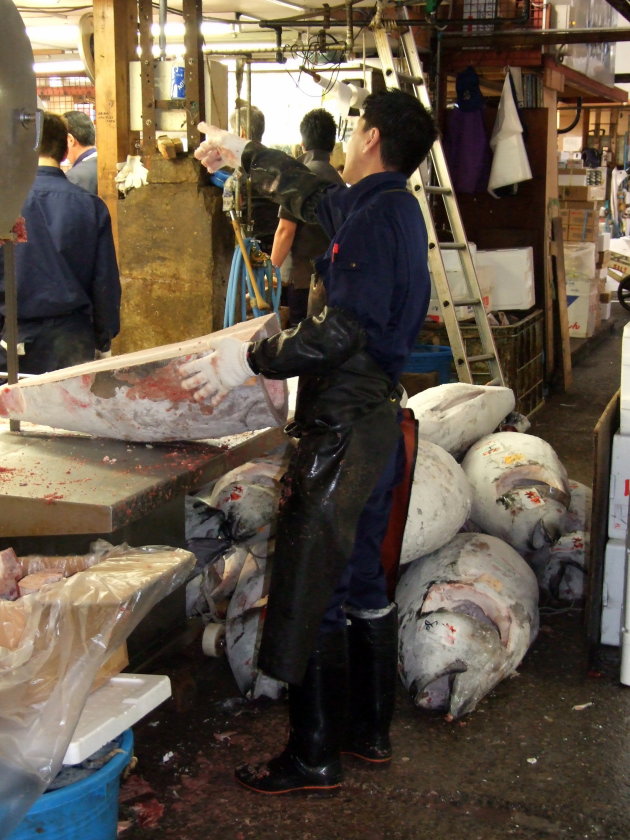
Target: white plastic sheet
pixel 510 164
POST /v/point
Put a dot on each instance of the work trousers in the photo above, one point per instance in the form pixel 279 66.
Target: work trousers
pixel 53 343
pixel 363 585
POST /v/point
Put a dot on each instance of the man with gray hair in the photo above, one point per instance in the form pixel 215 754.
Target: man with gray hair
pixel 81 151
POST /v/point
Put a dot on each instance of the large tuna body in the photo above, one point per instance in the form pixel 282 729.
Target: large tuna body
pixel 439 504
pixel 468 613
pixel 520 489
pixel 457 414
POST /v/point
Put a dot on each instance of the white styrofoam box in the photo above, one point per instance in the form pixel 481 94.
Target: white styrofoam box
pixel 605 310
pixel 602 274
pixel 115 706
pixel 612 592
pixel 458 286
pixel 624 413
pixel 578 285
pixel 513 273
pixel 625 363
pixel 603 241
pixel 619 492
pixel 611 285
pixel 582 314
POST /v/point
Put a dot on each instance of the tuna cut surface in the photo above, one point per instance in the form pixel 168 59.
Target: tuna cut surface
pixel 138 396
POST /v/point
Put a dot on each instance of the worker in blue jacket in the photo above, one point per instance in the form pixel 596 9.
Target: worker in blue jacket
pixel 68 287
pixel 329 615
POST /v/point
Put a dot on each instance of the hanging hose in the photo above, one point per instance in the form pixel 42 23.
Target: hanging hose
pixel 260 288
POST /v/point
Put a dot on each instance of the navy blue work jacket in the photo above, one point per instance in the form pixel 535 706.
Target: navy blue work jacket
pixel 376 264
pixel 69 263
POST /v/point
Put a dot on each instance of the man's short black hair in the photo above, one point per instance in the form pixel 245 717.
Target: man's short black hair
pixel 318 130
pixel 81 127
pixel 54 140
pixel 406 127
pixel 256 122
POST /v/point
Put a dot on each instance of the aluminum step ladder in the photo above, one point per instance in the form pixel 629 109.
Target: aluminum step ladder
pixel 432 182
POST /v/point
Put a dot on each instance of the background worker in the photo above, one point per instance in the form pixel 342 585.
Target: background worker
pixel 299 240
pixel 81 151
pixel 68 288
pixel 336 497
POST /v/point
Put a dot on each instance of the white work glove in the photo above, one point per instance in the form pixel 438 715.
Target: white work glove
pixel 131 174
pixel 213 375
pixel 220 148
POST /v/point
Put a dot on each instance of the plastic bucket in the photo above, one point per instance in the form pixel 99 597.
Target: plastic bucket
pixel 86 810
pixel 426 358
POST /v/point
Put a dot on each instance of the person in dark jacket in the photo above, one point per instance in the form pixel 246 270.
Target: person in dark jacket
pixel 298 241
pixel 81 151
pixel 68 287
pixel 328 613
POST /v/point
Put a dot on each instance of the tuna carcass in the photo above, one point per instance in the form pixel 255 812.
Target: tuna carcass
pixel 439 504
pixel 468 613
pixel 562 568
pixel 138 396
pixel 243 624
pixel 456 415
pixel 248 496
pixel 520 490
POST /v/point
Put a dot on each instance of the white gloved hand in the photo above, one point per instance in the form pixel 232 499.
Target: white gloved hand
pixel 213 375
pixel 131 174
pixel 220 148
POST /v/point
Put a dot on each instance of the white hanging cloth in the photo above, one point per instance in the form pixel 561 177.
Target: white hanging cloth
pixel 509 163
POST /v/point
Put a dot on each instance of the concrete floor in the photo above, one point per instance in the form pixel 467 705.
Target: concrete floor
pixel 544 755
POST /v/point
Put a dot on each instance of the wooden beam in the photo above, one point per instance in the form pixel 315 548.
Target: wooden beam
pixel 114 41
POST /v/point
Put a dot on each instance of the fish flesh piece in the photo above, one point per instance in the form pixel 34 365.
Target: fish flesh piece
pixel 468 613
pixel 139 396
pixel 439 504
pixel 457 414
pixel 520 489
pixel 243 626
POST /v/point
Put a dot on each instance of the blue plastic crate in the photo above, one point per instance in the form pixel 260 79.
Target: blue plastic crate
pixel 426 358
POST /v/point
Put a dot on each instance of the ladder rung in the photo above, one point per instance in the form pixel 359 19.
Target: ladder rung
pixel 495 381
pixel 452 246
pixel 482 357
pixel 439 190
pixel 405 77
pixel 464 302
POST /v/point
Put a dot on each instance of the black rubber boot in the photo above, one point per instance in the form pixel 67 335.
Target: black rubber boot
pixel 311 759
pixel 373 674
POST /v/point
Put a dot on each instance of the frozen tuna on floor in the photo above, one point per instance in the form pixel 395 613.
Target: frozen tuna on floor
pixel 457 414
pixel 561 568
pixel 139 397
pixel 520 490
pixel 468 613
pixel 243 626
pixel 440 501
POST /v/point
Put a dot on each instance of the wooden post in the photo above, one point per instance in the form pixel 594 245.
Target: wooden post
pixel 550 100
pixel 115 24
pixel 147 84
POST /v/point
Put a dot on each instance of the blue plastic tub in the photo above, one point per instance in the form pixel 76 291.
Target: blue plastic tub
pixel 426 358
pixel 86 810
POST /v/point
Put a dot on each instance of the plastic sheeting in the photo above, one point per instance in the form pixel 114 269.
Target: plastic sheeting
pixel 53 642
pixel 510 164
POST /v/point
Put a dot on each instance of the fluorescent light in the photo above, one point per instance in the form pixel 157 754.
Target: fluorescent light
pixel 67 32
pixel 45 68
pixel 215 27
pixel 287 4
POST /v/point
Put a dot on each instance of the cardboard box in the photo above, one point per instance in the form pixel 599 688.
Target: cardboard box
pixel 579 205
pixel 590 193
pixel 612 592
pixel 513 273
pixel 582 311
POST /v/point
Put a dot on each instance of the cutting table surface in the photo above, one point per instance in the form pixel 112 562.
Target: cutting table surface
pixel 54 482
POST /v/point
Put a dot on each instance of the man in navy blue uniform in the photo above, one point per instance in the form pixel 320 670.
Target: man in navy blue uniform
pixel 330 630
pixel 68 288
